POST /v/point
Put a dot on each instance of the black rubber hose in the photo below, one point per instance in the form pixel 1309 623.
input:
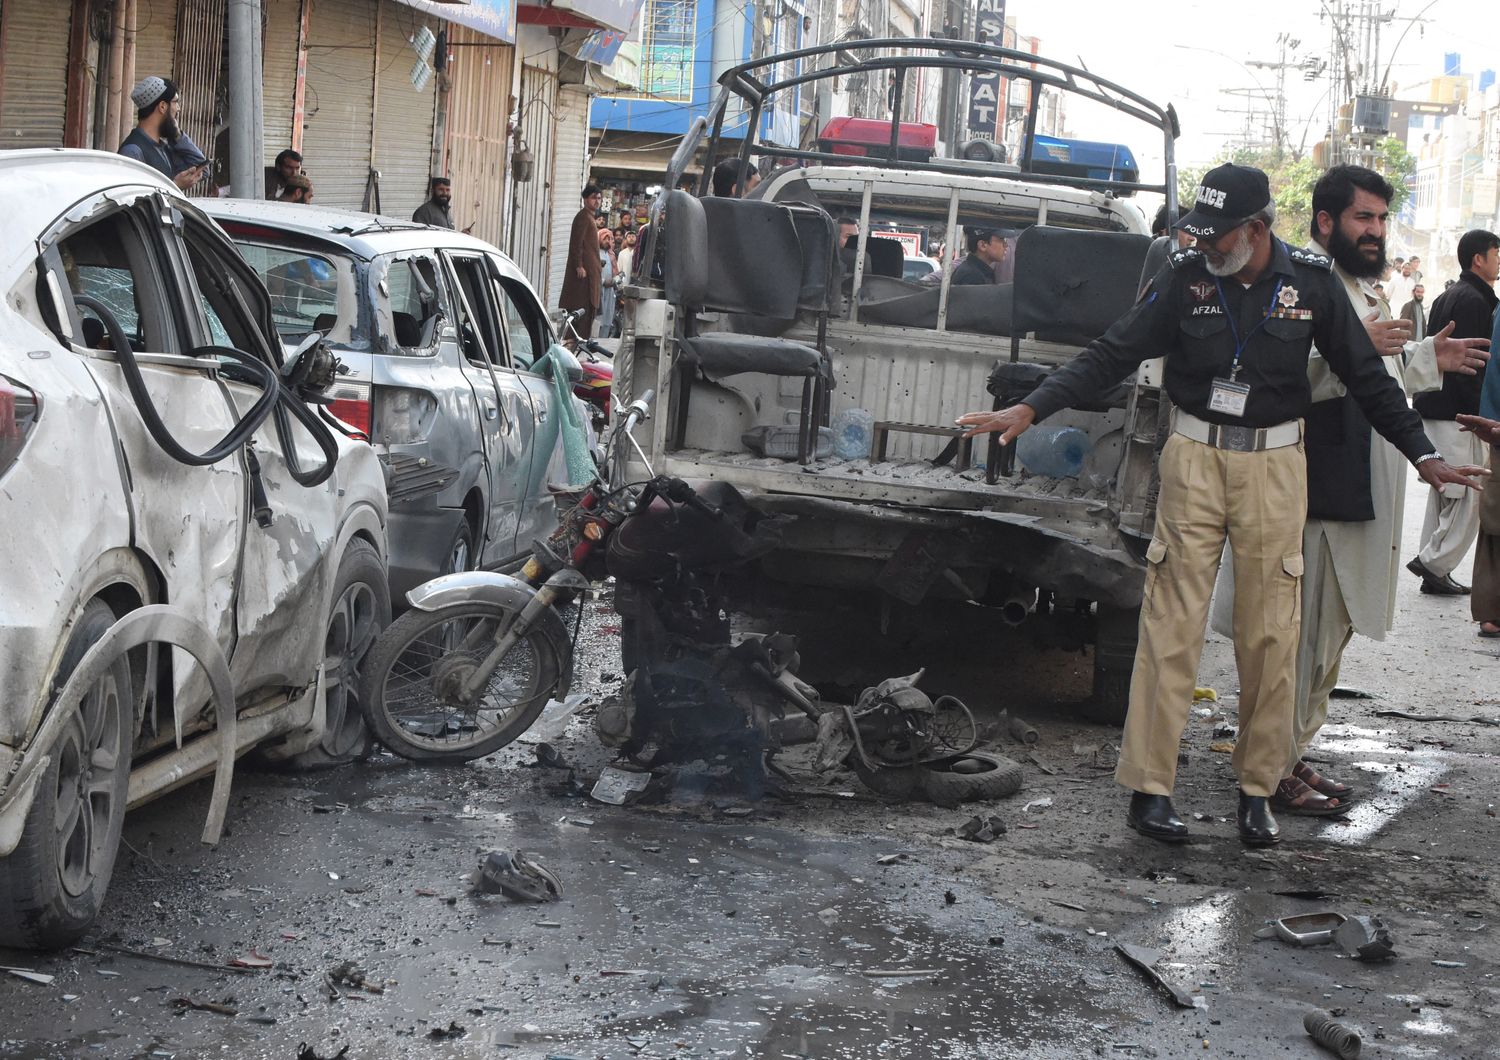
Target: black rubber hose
pixel 238 435
pixel 320 433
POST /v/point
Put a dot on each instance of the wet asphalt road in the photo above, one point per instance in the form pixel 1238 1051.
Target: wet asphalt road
pixel 692 928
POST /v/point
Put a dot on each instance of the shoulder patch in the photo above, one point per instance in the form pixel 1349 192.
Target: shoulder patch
pixel 1185 256
pixel 1307 257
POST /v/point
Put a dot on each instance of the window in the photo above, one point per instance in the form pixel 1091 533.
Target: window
pixel 523 324
pixel 223 306
pixel 415 303
pixel 668 47
pixel 109 261
pixel 304 287
pixel 478 329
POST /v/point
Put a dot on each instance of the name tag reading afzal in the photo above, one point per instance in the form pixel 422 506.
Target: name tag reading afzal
pixel 1228 397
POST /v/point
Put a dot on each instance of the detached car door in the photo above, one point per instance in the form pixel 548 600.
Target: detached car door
pixel 506 416
pixel 117 267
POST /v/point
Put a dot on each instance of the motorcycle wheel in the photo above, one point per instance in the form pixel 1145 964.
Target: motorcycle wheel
pixel 423 653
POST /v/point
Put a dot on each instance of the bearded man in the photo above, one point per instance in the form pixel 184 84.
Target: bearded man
pixel 1355 479
pixel 1234 318
pixel 156 131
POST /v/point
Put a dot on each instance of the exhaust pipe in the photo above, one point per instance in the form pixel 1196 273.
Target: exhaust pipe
pixel 1017 609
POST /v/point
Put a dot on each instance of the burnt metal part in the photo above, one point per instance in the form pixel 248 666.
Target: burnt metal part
pixel 1145 960
pixel 1336 1037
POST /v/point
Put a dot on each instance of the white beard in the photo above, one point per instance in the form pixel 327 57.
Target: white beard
pixel 1237 258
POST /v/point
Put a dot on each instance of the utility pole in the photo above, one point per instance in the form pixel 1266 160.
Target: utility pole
pixel 1288 45
pixel 246 151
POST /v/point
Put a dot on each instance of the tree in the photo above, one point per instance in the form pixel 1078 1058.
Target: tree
pixel 1398 165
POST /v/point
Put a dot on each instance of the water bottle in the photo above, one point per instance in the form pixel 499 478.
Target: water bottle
pixel 1057 452
pixel 853 431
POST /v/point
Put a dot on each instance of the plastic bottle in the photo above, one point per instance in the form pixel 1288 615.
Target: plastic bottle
pixel 1057 452
pixel 853 431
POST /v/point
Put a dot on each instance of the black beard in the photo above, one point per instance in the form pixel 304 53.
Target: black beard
pixel 169 130
pixel 1350 257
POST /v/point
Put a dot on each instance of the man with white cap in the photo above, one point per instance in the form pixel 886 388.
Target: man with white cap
pixel 156 131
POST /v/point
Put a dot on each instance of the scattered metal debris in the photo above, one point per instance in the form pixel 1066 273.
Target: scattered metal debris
pixel 162 958
pixel 981 829
pixel 253 959
pixel 1306 929
pixel 41 978
pixel 1145 960
pixel 619 786
pixel 1450 964
pixel 1346 692
pixel 1338 1038
pixel 519 877
pixel 443 1034
pixel 1020 731
pixel 1365 937
pixel 307 1052
pixel 349 973
pixel 187 1003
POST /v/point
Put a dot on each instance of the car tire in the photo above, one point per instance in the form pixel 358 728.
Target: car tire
pixel 361 609
pixel 892 784
pixel 461 556
pixel 52 885
pixel 1114 660
pixel 973 777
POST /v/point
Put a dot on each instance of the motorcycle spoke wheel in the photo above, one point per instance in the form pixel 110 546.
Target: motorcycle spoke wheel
pixel 424 712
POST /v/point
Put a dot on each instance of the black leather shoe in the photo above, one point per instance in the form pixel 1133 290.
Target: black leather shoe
pixel 1444 586
pixel 1258 827
pixel 1153 816
pixel 1417 567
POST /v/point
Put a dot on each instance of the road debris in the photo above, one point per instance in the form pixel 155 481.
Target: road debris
pixel 1223 747
pixel 1068 905
pixel 253 959
pixel 899 973
pixel 349 973
pixel 1346 692
pixel 617 787
pixel 1365 937
pixel 1205 695
pixel 40 978
pixel 1021 732
pixel 519 877
pixel 1039 804
pixel 1035 759
pixel 1338 1038
pixel 829 916
pixel 187 1003
pixel 1409 715
pixel 1145 960
pixel 1450 964
pixel 162 958
pixel 307 1052
pixel 1306 929
pixel 889 859
pixel 443 1034
pixel 981 829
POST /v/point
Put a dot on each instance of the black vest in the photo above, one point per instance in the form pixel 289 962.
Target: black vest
pixel 1337 443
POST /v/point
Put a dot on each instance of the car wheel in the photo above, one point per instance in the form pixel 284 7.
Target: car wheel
pixel 973 777
pixel 361 609
pixel 461 553
pixel 52 885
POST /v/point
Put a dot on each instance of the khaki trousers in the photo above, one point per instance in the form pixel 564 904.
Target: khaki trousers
pixel 1259 502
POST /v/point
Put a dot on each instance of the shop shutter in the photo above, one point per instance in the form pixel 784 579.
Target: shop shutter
pixel 155 40
pixel 569 175
pixel 404 115
pixel 279 73
pixel 479 108
pixel 340 94
pixel 198 65
pixel 34 92
pixel 531 228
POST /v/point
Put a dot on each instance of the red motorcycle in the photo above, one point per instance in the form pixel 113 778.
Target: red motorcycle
pixel 598 371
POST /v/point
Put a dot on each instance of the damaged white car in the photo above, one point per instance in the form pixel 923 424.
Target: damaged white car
pixel 194 556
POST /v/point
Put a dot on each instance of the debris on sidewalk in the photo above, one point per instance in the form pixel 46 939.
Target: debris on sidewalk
pixel 829 916
pixel 349 973
pixel 41 978
pixel 1365 937
pixel 1338 1038
pixel 443 1034
pixel 1306 929
pixel 1035 759
pixel 253 959
pixel 1411 715
pixel 617 787
pixel 1205 695
pixel 1223 747
pixel 1145 960
pixel 981 829
pixel 187 1003
pixel 519 877
pixel 1038 804
pixel 307 1052
pixel 1346 692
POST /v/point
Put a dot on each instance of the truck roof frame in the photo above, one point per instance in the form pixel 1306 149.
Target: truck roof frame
pixel 746 82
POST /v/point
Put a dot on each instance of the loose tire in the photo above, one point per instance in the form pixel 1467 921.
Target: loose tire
pixel 894 784
pixel 52 886
pixel 973 777
pixel 402 699
pixel 361 609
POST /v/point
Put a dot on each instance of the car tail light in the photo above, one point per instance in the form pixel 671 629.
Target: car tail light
pixel 403 415
pixel 350 402
pixel 18 414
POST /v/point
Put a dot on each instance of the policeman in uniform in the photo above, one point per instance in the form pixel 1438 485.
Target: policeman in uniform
pixel 1234 317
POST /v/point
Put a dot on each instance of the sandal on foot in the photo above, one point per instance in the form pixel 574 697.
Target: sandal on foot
pixel 1489 629
pixel 1294 797
pixel 1321 784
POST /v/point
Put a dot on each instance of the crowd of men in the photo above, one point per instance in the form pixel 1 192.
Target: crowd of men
pixel 1280 511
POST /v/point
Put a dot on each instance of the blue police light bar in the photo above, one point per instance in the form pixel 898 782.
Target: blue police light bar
pixel 1083 158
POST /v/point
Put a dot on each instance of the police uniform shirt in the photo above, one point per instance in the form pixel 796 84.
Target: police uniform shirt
pixel 1195 320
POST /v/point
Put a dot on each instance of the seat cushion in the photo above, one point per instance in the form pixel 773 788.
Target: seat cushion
pixel 724 353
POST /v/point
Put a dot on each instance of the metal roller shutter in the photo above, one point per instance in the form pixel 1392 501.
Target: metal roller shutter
pixel 569 175
pixel 156 39
pixel 403 115
pixel 340 94
pixel 199 62
pixel 34 91
pixel 479 109
pixel 531 221
pixel 279 73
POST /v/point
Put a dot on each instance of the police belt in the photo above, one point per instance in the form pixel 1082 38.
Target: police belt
pixel 1234 438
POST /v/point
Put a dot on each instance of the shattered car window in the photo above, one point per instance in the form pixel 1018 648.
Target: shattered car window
pixel 304 287
pixel 414 300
